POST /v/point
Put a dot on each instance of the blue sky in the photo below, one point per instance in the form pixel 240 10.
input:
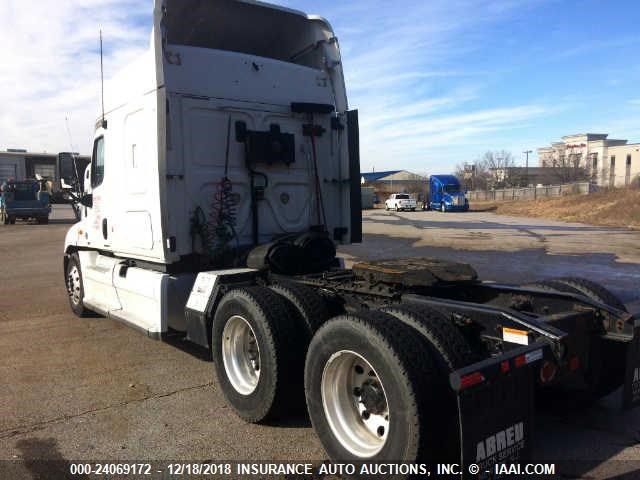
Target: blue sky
pixel 437 82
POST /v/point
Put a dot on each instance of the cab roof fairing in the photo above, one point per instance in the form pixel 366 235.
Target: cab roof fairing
pixel 446 179
pixel 160 5
pixel 160 35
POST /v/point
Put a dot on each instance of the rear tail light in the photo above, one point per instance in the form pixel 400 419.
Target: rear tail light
pixel 574 363
pixel 548 372
pixel 471 380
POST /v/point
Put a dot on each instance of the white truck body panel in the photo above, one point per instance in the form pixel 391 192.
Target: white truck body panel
pixel 161 152
pixel 147 300
pixel 168 116
pixel 204 285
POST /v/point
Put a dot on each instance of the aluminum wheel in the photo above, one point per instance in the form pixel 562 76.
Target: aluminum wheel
pixel 355 403
pixel 74 285
pixel 241 355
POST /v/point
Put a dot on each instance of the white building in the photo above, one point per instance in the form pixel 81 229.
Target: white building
pixel 610 162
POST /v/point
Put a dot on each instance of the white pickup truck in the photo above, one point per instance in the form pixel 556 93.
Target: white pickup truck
pixel 400 201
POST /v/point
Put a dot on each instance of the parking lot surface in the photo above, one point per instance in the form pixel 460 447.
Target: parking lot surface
pixel 507 249
pixel 93 389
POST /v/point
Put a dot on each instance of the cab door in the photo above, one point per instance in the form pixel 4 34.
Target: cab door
pixel 97 223
pixel 98 269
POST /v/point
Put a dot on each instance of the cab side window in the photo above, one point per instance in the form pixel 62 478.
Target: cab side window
pixel 97 162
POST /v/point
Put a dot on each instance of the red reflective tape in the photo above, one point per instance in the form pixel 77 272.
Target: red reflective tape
pixel 504 366
pixel 520 361
pixel 471 380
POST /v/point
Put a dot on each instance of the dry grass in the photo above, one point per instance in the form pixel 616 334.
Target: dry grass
pixel 618 207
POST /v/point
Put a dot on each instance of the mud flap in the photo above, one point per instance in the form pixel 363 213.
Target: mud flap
pixel 631 391
pixel 496 410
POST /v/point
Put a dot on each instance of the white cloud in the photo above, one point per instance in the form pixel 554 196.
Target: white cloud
pixel 51 66
pixel 416 96
pixel 400 63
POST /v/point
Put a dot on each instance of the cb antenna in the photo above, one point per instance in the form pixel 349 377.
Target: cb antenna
pixel 66 121
pixel 104 122
pixel 73 155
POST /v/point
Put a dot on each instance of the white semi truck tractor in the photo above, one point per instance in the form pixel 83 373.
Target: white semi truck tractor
pixel 224 173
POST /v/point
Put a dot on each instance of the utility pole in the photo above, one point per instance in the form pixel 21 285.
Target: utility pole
pixel 526 170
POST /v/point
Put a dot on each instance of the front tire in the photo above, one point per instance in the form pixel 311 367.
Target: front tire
pixel 369 388
pixel 257 353
pixel 75 286
pixel 443 208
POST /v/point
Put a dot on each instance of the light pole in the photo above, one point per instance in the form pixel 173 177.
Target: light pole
pixel 526 170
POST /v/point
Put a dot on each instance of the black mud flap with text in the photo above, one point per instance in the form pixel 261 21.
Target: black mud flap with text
pixel 496 410
pixel 631 391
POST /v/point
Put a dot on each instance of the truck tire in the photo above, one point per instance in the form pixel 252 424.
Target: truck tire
pixel 397 208
pixel 553 285
pixel 450 350
pixel 443 208
pixel 309 304
pixel 75 286
pixel 257 353
pixel 593 290
pixel 448 346
pixel 42 220
pixel 612 354
pixel 12 219
pixel 607 357
pixel 369 387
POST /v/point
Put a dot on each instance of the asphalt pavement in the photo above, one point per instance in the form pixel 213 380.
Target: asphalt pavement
pixel 94 389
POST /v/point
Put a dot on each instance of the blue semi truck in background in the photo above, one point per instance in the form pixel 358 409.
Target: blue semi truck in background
pixel 446 194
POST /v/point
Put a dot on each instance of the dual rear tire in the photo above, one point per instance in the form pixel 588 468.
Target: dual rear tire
pixel 375 382
pixel 376 385
pixel 259 339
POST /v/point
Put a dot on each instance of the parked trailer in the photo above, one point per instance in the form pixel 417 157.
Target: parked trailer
pixel 224 175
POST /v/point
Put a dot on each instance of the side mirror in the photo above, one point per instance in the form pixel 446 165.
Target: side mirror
pixel 67 171
pixel 86 200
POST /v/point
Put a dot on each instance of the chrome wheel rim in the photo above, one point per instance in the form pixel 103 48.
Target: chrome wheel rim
pixel 73 285
pixel 241 355
pixel 355 404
